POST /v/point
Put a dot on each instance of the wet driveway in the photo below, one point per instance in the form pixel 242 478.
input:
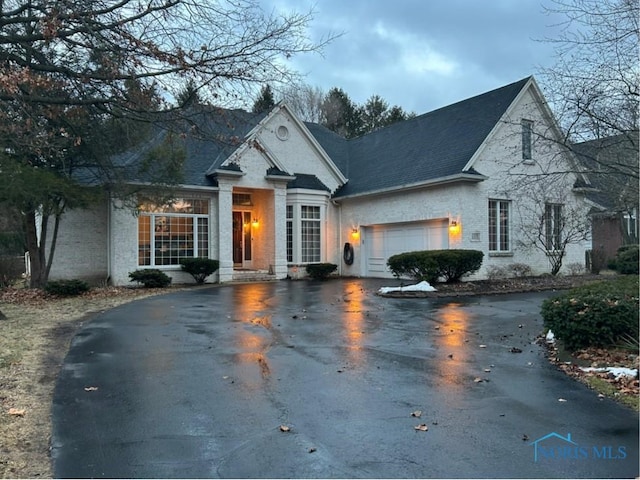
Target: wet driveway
pixel 198 384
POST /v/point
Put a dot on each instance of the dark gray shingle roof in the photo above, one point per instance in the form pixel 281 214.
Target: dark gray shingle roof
pixel 428 147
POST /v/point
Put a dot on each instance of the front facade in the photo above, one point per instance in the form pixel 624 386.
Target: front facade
pixel 287 194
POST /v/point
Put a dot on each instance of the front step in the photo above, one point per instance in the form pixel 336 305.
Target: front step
pixel 253 276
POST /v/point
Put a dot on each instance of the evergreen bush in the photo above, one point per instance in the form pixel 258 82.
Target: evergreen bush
pixel 199 268
pixel 626 260
pixel 320 271
pixel 66 288
pixel 151 278
pixel 431 265
pixel 596 315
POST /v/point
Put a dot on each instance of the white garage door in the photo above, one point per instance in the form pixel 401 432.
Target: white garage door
pixel 382 241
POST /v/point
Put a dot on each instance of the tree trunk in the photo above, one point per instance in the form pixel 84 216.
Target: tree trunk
pixel 36 249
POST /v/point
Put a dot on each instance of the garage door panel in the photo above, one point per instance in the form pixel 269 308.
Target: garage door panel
pixel 383 241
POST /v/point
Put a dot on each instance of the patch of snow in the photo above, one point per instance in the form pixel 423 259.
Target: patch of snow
pixel 551 338
pixel 616 371
pixel 423 286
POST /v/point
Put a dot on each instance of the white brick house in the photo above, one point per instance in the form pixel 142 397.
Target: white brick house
pixel 284 193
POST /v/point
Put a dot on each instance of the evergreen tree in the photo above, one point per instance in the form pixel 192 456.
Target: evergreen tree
pixel 265 101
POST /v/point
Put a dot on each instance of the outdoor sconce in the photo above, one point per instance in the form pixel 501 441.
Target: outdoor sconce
pixel 454 227
pixel 355 233
pixel 255 223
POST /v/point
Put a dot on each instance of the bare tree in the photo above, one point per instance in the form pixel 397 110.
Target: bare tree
pixel 305 101
pixel 73 73
pixel 593 87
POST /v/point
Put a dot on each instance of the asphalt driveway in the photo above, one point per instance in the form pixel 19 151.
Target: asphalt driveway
pixel 198 384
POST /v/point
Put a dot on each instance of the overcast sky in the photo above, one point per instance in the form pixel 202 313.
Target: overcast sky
pixel 423 54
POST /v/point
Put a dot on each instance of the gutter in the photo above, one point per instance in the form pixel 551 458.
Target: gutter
pixel 458 177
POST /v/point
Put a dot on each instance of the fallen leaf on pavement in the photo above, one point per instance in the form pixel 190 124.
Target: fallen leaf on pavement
pixel 284 428
pixel 90 389
pixel 422 427
pixel 561 400
pixel 482 346
pixel 478 380
pixel 417 413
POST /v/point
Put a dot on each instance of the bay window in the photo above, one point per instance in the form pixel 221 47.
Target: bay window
pixel 304 233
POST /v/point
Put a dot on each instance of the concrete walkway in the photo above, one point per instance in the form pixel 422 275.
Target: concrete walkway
pixel 198 384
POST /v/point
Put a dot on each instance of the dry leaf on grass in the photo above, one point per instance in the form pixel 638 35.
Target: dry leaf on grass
pixel 17 412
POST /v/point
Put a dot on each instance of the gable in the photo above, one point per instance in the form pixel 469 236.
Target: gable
pixel 284 144
pixel 429 148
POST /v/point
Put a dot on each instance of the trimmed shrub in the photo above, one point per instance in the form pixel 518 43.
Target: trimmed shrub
pixel 199 268
pixel 66 288
pixel 596 315
pixel 626 260
pixel 431 265
pixel 150 278
pixel 418 265
pixel 320 271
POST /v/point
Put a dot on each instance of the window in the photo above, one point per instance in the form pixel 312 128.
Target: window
pixel 553 226
pixel 527 138
pixel 289 233
pixel 310 230
pixel 168 233
pixel 304 233
pixel 499 240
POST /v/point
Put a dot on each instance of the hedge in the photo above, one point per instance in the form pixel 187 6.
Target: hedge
pixel 320 271
pixel 66 288
pixel 596 315
pixel 431 265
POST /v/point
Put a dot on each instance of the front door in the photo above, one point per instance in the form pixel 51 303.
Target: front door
pixel 241 239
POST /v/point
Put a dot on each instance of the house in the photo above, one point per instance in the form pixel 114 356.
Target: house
pixel 267 194
pixel 611 170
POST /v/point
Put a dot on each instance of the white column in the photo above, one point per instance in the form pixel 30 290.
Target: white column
pixel 225 231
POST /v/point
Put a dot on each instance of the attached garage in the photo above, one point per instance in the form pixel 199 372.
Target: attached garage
pixel 382 241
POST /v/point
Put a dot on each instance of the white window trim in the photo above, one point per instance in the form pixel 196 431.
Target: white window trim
pixel 500 251
pixel 297 200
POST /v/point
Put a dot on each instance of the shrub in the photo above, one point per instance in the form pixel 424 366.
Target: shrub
pixel 596 315
pixel 199 268
pixel 626 260
pixel 417 265
pixel 320 271
pixel 494 272
pixel 575 268
pixel 11 269
pixel 151 278
pixel 519 270
pixel 66 288
pixel 430 265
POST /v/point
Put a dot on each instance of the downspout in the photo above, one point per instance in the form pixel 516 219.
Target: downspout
pixel 108 279
pixel 336 204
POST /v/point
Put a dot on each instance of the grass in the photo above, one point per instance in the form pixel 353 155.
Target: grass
pixel 34 339
pixel 607 389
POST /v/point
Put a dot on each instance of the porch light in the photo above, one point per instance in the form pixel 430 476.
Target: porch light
pixel 255 223
pixel 355 233
pixel 454 227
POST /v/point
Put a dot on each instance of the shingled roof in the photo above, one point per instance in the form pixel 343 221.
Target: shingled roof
pixel 429 147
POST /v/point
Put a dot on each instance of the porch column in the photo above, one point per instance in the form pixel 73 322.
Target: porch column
pixel 280 230
pixel 225 245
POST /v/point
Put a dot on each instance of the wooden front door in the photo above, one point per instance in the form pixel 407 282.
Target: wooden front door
pixel 241 239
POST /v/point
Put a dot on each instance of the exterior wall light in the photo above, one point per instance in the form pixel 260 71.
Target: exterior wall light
pixel 255 223
pixel 454 227
pixel 355 233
